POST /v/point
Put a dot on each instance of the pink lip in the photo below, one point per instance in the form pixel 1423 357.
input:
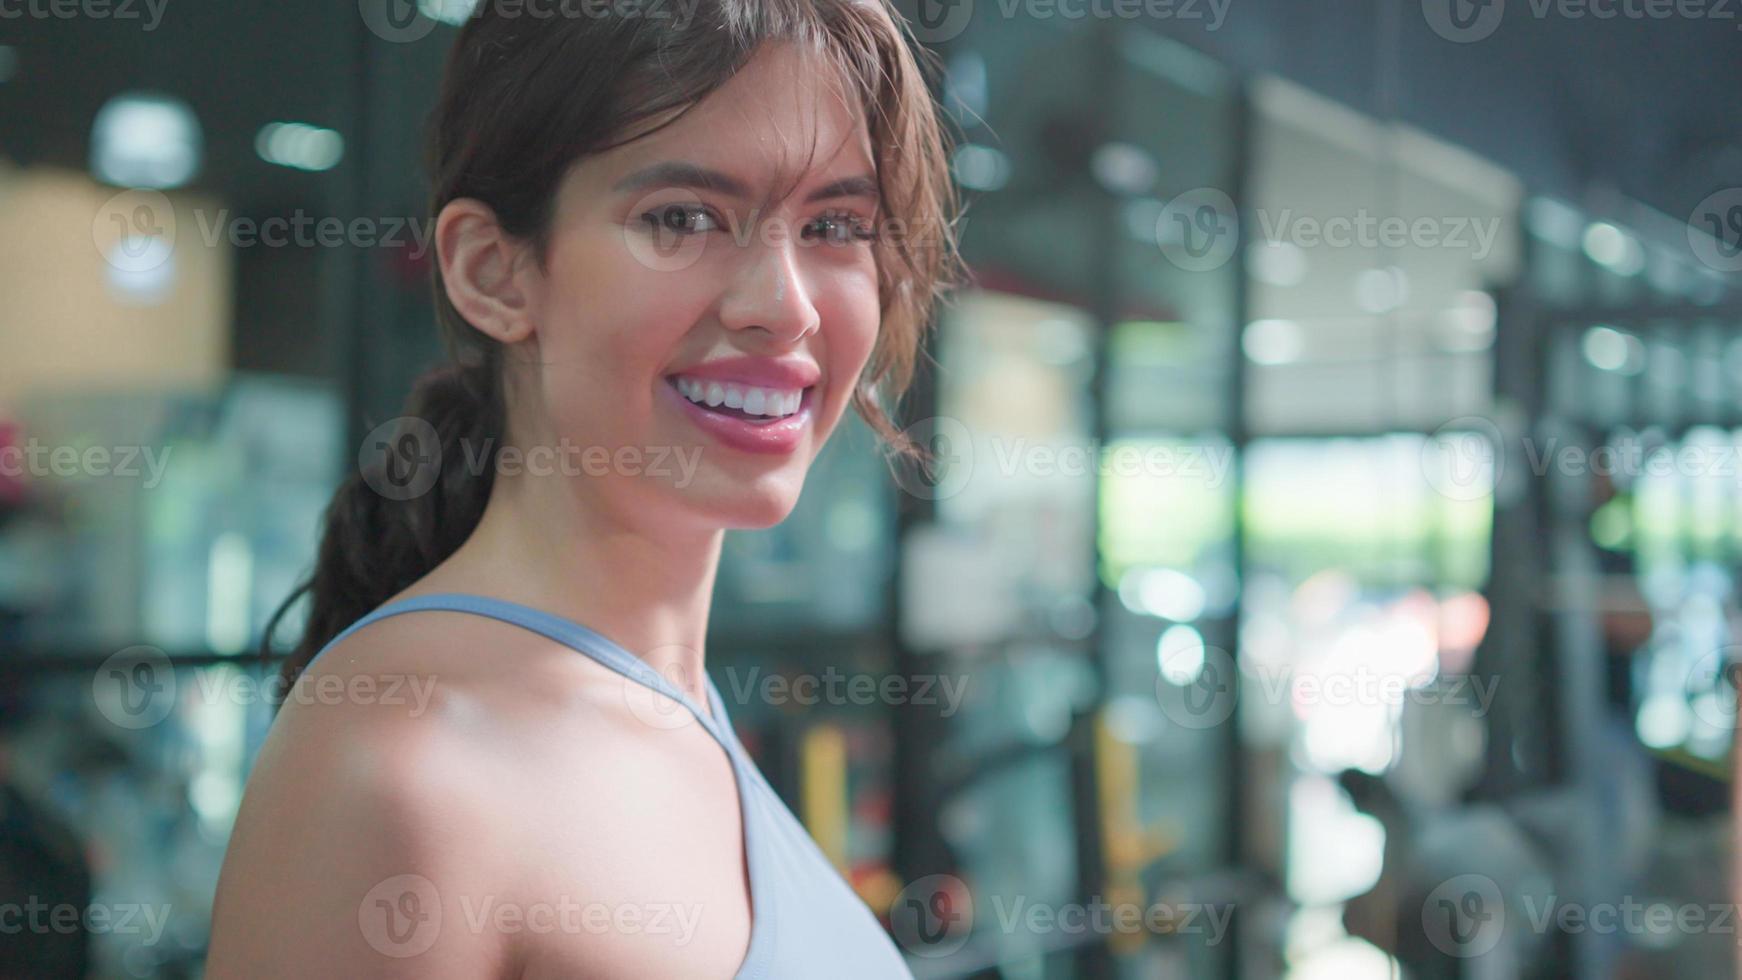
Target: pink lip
pixel 769 438
pixel 759 372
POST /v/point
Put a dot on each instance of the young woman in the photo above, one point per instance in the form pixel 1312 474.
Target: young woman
pixel 672 251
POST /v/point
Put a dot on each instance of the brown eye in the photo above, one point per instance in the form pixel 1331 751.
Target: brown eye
pixel 839 229
pixel 680 219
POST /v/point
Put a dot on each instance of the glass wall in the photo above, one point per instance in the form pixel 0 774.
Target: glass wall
pixel 1373 254
pixel 1633 438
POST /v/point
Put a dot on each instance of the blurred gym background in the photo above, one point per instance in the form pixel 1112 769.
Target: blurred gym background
pixel 1334 549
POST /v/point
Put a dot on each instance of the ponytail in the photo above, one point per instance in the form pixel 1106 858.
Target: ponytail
pixel 384 532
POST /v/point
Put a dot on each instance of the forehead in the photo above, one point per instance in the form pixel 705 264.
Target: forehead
pixel 780 118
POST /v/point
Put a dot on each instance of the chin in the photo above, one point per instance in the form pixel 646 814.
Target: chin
pixel 745 505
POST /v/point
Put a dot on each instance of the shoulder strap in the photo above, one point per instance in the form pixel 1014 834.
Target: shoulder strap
pixel 582 640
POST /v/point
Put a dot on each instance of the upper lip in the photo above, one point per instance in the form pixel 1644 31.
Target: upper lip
pixel 757 372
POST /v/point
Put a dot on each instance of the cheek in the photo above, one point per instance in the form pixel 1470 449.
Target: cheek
pixel 851 314
pixel 608 325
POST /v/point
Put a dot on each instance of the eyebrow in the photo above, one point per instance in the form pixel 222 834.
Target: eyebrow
pixel 678 173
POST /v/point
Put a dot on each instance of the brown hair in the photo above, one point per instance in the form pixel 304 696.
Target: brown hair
pixel 522 99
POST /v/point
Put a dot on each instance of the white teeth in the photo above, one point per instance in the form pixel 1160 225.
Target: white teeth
pixel 773 402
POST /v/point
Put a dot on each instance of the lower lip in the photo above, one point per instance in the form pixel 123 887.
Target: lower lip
pixel 779 437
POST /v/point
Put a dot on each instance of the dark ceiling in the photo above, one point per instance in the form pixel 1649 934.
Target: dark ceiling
pixel 1570 102
pixel 1646 106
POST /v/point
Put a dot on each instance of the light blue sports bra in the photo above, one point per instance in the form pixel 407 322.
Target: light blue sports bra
pixel 806 920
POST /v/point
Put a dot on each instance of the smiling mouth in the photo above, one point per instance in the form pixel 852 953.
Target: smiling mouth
pixel 744 402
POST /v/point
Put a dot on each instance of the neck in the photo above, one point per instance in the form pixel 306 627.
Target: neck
pixel 558 545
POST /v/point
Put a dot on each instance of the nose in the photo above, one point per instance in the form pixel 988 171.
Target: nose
pixel 769 292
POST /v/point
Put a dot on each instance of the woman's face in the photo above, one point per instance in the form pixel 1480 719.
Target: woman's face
pixel 721 254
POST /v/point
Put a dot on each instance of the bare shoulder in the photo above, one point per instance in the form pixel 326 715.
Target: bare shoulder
pixel 392 804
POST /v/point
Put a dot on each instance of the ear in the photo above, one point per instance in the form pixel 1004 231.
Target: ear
pixel 485 270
